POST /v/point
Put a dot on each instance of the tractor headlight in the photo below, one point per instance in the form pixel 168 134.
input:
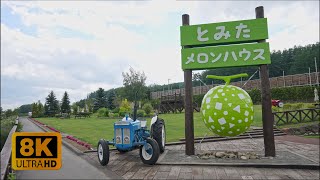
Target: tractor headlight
pixel 126 140
pixel 118 139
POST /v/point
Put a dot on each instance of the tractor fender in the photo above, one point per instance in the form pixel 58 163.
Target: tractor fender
pixel 153 120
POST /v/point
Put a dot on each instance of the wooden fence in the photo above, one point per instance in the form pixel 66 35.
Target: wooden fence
pixel 275 82
pixel 6 152
pixel 296 116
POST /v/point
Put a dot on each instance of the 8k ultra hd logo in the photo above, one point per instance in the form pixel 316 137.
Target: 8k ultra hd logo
pixel 36 151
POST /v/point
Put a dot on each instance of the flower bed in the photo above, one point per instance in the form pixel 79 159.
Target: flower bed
pixel 79 142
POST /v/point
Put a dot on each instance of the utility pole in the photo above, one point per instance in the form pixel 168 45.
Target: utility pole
pixel 317 75
pixel 284 82
pixel 189 126
pixel 168 85
pixel 309 77
pixel 267 117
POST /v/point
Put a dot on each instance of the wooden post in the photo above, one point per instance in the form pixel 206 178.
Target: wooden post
pixel 267 117
pixel 189 134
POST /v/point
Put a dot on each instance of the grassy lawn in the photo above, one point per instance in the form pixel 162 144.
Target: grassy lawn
pixel 297 125
pixel 92 129
pixel 312 136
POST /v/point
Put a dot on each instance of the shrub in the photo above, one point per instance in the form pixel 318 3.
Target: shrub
pixel 141 113
pixel 274 109
pixel 122 113
pixel 287 107
pixel 147 108
pixel 155 103
pixel 116 110
pixel 6 126
pixel 103 112
pixel 297 106
pixel 310 106
pixel 115 114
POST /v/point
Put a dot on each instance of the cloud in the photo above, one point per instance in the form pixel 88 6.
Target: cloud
pixel 80 47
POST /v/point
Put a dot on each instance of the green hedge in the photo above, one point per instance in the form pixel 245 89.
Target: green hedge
pixel 255 95
pixel 288 94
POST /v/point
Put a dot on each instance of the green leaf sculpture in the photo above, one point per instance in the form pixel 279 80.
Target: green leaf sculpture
pixel 227 110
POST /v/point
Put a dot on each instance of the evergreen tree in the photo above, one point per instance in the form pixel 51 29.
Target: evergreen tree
pixel 45 108
pixel 65 105
pixel 110 100
pixel 52 104
pixel 40 109
pixel 100 100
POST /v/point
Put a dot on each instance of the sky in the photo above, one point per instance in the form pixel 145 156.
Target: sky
pixel 79 46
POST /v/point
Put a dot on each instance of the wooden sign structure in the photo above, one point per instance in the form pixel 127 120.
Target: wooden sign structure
pixel 204 47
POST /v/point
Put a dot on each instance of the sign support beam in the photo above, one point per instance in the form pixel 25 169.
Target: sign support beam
pixel 267 117
pixel 189 129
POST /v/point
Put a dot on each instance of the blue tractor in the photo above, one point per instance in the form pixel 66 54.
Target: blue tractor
pixel 131 134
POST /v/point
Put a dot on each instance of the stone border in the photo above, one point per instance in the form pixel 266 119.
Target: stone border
pixel 315 166
pixel 309 129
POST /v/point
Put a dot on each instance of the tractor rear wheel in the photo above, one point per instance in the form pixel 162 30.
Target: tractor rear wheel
pixel 103 152
pixel 158 133
pixel 150 152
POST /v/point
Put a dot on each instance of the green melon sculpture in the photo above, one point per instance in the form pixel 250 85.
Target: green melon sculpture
pixel 227 110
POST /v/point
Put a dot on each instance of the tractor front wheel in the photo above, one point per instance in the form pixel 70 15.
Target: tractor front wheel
pixel 149 153
pixel 158 133
pixel 103 152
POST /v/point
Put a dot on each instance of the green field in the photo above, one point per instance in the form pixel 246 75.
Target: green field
pixel 92 129
pixel 312 136
pixel 297 125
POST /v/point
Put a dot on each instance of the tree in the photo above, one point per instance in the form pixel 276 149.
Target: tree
pixel 24 109
pixel 2 113
pixel 100 100
pixel 16 111
pixel 88 105
pixel 147 108
pixel 125 108
pixel 37 109
pixel 111 99
pixel 74 108
pixel 134 87
pixel 40 108
pixel 34 110
pixel 8 113
pixel 52 104
pixel 45 107
pixel 65 103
